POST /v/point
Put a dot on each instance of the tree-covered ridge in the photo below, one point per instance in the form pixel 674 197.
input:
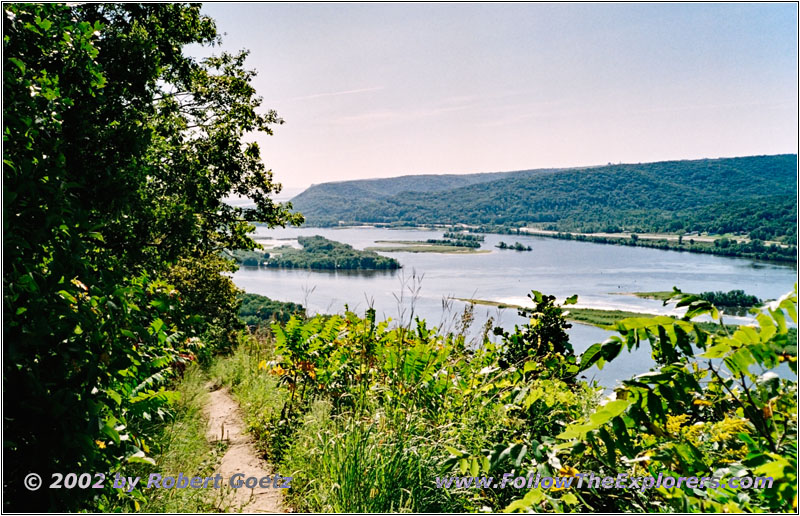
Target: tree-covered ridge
pixel 320 253
pixel 752 195
pixel 387 187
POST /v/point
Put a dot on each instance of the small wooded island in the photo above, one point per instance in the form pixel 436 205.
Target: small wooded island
pixel 516 246
pixel 317 253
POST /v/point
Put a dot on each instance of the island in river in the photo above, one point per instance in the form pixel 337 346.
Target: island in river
pixel 317 253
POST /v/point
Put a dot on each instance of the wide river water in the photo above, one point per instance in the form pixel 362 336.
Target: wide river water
pixel 600 274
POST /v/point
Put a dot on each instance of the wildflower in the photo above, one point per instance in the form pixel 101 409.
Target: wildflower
pixel 704 403
pixel 727 428
pixel 565 471
pixel 674 423
pixel 694 433
pixel 262 366
pixel 278 370
pixel 100 444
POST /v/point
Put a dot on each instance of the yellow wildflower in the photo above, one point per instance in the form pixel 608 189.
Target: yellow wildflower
pixel 262 366
pixel 727 428
pixel 704 403
pixel 278 370
pixel 100 444
pixel 693 433
pixel 565 471
pixel 674 423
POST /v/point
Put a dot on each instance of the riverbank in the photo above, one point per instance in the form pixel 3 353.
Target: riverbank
pixel 599 317
pixel 603 318
pixel 720 245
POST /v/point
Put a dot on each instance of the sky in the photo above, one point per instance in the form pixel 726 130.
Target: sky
pixel 381 90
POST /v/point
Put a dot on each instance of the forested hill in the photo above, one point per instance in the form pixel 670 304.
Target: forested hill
pixel 347 196
pixel 750 195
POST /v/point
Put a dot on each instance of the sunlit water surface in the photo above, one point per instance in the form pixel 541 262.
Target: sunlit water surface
pixel 428 282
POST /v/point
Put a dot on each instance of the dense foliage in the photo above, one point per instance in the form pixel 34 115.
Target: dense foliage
pixel 464 236
pixel 516 246
pixel 368 415
pixel 753 195
pixel 118 151
pixel 320 253
pixel 458 242
pixel 259 310
pixel 248 258
pixel 733 298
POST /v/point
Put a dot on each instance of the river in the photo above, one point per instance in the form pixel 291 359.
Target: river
pixel 600 274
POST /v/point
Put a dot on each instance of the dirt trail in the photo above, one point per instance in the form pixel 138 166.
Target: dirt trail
pixel 224 416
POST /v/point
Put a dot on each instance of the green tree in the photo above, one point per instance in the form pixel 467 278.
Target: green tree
pixel 118 153
pixel 543 339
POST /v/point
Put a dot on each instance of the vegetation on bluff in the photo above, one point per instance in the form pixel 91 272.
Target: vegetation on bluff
pixel 259 310
pixel 119 152
pixel 368 414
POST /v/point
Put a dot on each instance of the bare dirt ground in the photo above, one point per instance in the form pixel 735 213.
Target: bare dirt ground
pixel 225 424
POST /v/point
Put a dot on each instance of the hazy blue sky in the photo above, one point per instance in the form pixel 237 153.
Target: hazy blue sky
pixel 377 90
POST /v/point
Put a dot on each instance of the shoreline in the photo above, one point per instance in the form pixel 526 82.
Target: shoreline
pixel 698 244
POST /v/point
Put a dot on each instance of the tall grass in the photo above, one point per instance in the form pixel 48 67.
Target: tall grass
pixel 358 459
pixel 343 464
pixel 182 448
